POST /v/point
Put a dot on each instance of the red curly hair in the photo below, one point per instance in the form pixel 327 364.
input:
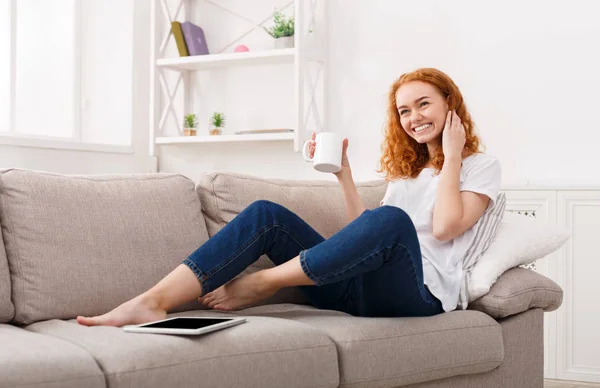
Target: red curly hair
pixel 402 156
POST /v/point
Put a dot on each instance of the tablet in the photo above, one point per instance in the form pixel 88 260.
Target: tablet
pixel 184 325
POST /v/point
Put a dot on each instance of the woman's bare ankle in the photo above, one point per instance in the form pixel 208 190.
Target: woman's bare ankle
pixel 151 300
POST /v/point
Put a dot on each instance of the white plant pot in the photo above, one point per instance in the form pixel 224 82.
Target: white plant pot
pixel 284 42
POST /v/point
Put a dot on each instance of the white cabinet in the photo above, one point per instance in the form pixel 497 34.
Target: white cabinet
pixel 578 271
pixel 571 337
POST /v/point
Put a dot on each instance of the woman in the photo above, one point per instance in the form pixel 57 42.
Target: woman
pixel 400 259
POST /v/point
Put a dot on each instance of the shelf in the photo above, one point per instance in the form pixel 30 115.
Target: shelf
pixel 224 138
pixel 214 61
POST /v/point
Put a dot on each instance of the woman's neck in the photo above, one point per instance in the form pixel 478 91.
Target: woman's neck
pixel 428 164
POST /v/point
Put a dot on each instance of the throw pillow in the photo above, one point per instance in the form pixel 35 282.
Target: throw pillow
pixel 485 231
pixel 519 240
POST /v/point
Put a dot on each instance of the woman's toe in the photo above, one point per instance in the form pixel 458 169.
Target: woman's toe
pixel 222 307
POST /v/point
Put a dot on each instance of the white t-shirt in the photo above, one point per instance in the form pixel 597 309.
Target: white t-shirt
pixel 442 261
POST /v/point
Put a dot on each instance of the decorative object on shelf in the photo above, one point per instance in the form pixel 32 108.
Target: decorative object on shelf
pixel 189 125
pixel 241 48
pixel 194 39
pixel 216 123
pixel 179 39
pixel 282 30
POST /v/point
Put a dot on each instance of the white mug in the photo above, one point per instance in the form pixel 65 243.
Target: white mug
pixel 328 152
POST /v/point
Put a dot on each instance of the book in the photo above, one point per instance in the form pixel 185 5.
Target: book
pixel 194 39
pixel 178 34
pixel 255 131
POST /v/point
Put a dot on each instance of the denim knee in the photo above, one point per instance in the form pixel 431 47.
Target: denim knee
pixel 265 205
pixel 268 208
pixel 393 220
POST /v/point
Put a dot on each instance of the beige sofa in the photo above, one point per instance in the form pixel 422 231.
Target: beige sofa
pixel 81 245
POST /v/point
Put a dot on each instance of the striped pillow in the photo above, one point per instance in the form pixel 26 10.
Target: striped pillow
pixel 486 230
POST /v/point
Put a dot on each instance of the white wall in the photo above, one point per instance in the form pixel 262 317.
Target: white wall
pixel 528 72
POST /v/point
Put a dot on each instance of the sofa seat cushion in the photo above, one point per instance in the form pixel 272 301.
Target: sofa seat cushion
pixel 263 352
pixel 391 352
pixel 83 244
pixel 35 360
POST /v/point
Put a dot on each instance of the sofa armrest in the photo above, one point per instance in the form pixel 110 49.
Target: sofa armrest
pixel 519 290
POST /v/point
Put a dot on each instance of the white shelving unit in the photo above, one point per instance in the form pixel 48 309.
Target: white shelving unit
pixel 207 62
pixel 225 138
pixel 309 47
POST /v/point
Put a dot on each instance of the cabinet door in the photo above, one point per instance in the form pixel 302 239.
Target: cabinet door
pixel 540 204
pixel 579 320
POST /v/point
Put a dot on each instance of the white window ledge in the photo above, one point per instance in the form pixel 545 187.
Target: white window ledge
pixel 61 144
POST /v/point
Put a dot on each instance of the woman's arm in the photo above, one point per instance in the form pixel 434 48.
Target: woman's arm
pixel 454 211
pixel 354 205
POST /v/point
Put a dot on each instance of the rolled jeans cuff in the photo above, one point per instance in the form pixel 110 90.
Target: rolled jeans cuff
pixel 307 271
pixel 199 274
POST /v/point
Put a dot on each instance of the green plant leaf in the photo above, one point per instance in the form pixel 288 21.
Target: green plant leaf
pixel 189 121
pixel 218 119
pixel 282 26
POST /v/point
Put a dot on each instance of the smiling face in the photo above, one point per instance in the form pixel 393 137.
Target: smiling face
pixel 422 111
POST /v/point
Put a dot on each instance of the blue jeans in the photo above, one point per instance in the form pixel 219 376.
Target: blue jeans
pixel 370 268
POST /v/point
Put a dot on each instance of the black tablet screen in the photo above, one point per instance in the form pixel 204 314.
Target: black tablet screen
pixel 187 323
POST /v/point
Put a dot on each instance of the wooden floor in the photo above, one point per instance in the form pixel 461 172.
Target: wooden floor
pixel 568 384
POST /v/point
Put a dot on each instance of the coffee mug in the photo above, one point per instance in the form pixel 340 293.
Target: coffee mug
pixel 328 152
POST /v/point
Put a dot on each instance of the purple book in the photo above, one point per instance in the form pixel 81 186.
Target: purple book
pixel 194 39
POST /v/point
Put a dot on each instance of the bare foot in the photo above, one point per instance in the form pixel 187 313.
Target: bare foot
pixel 135 311
pixel 239 293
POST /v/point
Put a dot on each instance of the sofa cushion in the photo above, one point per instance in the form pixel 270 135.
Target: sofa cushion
pixel 319 203
pixel 82 245
pixel 518 290
pixel 7 310
pixel 34 360
pixel 523 364
pixel 263 352
pixel 391 352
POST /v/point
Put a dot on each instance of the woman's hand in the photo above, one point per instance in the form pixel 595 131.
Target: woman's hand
pixel 453 137
pixel 345 170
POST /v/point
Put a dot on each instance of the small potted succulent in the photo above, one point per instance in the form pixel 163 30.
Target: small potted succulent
pixel 217 122
pixel 282 30
pixel 190 125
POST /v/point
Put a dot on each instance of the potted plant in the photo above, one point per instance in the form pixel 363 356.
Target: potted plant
pixel 282 30
pixel 217 122
pixel 190 124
